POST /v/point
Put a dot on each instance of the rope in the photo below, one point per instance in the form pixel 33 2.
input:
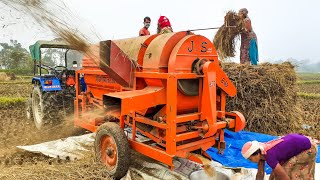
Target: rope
pixel 209 28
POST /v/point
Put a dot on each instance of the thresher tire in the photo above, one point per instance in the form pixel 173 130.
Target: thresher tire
pixel 112 149
pixel 29 112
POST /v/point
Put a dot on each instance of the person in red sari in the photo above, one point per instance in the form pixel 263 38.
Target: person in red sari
pixel 164 25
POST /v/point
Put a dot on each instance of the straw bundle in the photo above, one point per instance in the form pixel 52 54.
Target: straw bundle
pixel 226 37
pixel 266 95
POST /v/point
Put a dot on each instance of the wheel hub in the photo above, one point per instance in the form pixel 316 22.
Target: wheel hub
pixel 108 151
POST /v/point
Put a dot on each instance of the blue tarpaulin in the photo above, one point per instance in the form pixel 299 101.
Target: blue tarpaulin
pixel 232 154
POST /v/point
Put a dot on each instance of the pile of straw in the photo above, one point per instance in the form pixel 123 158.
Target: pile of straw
pixel 226 37
pixel 267 96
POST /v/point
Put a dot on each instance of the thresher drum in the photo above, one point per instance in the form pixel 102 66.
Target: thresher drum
pixel 169 88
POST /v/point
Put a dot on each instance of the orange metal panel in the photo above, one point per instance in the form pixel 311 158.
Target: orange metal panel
pixel 140 99
pixel 158 52
pixel 156 75
pixel 221 125
pixel 224 82
pixel 188 117
pixel 238 121
pixel 196 144
pixel 150 122
pixel 187 135
pixel 171 114
pixel 189 49
pixel 208 106
pixel 204 144
pixel 223 99
pixel 154 153
pixel 144 47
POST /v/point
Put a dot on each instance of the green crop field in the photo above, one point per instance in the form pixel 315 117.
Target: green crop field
pixel 309 76
pixel 309 85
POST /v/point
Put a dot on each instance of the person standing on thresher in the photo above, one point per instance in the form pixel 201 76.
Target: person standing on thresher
pixel 290 157
pixel 249 43
pixel 164 25
pixel 144 31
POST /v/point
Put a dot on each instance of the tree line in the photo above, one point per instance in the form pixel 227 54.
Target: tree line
pixel 17 59
pixel 14 56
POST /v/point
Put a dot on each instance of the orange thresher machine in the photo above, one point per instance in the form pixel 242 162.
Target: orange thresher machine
pixel 168 88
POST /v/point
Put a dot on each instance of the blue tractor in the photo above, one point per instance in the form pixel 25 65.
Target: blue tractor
pixel 53 90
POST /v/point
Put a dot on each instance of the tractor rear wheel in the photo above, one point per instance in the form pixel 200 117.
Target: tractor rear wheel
pixel 112 149
pixel 29 108
pixel 38 107
pixel 43 108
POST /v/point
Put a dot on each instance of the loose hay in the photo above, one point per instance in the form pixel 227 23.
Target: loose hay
pixel 57 17
pixel 4 77
pixel 226 37
pixel 311 116
pixel 267 96
pixel 47 168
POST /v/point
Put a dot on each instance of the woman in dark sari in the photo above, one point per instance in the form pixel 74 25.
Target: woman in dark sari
pixel 249 43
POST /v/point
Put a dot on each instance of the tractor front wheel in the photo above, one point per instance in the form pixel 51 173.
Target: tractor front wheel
pixel 112 149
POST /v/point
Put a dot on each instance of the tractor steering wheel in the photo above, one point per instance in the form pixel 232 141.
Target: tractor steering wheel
pixel 58 72
pixel 63 68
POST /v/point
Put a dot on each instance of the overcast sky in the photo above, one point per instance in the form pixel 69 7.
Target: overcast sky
pixel 285 29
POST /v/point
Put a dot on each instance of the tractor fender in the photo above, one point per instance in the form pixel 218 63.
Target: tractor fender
pixel 54 85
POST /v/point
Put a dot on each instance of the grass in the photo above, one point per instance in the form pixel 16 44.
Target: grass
pixel 309 82
pixel 16 82
pixel 308 76
pixel 24 76
pixel 309 95
pixel 11 101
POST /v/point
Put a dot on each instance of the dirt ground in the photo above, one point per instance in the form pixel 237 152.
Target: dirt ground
pixel 16 130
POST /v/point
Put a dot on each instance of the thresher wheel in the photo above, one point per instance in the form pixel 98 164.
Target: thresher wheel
pixel 112 149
